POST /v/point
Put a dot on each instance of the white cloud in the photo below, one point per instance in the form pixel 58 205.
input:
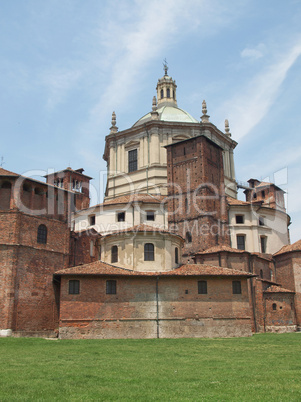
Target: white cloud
pixel 253 53
pixel 253 102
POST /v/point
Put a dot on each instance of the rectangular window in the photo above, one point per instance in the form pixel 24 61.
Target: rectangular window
pixel 241 242
pixel 236 287
pixel 111 287
pixel 202 287
pixel 92 220
pixel 121 216
pixel 150 216
pixel 73 287
pixel 261 221
pixel 263 244
pixel 133 165
pixel 239 218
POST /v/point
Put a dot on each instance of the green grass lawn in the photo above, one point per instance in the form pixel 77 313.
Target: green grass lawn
pixel 265 367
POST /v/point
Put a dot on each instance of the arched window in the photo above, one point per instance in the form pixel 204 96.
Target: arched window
pixel 6 184
pixel 168 93
pixel 261 273
pixel 176 255
pixel 42 234
pixel 188 237
pixel 26 187
pixel 114 254
pixel 162 94
pixel 38 191
pixel 149 252
pixel 274 306
pixel 99 252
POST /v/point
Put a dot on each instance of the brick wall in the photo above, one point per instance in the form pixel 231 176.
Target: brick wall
pixel 282 317
pixel 136 311
pixel 196 202
pixel 81 250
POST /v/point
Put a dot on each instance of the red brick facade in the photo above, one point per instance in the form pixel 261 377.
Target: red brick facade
pixel 196 196
pixel 34 241
pixel 150 306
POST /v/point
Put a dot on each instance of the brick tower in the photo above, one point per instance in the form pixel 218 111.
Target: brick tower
pixel 196 195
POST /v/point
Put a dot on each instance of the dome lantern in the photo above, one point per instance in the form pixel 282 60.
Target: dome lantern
pixel 166 89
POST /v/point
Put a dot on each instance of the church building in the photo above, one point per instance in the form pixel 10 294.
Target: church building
pixel 171 251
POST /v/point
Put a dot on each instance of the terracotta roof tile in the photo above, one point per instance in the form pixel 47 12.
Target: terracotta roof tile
pixel 4 172
pixel 102 268
pixel 234 201
pixel 268 257
pixel 277 289
pixel 217 249
pixel 290 247
pixel 88 232
pixel 125 199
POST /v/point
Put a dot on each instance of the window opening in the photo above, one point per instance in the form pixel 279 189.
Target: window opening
pixel 241 242
pixel 42 234
pixel 261 221
pixel 188 237
pixel 149 252
pixel 202 287
pixel 111 287
pixel 92 220
pixel 236 287
pixel 133 161
pixel 114 254
pixel 121 216
pixel 73 287
pixel 176 255
pixel 150 215
pixel 239 218
pixel 263 244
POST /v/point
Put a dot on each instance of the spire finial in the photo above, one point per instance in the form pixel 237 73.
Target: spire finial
pixel 114 129
pixel 154 107
pixel 165 66
pixel 227 128
pixel 113 119
pixel 205 117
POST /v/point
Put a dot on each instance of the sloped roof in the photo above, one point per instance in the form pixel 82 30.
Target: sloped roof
pixel 4 172
pixel 266 256
pixel 289 248
pixel 125 199
pixel 69 169
pixel 217 249
pixel 277 289
pixel 234 201
pixel 102 268
pixel 90 232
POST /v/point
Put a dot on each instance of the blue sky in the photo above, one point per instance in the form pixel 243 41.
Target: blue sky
pixel 65 65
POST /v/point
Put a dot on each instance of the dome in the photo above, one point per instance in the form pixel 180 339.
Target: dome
pixel 170 114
